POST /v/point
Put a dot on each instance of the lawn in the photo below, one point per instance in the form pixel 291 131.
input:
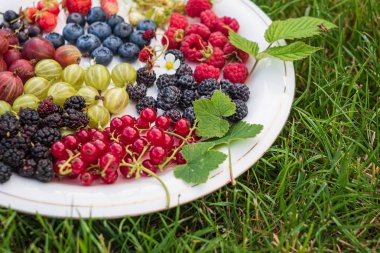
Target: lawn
pixel 316 189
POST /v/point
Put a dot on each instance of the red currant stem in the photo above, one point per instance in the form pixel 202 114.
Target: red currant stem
pixel 233 182
pixel 176 135
pixel 151 173
pixel 103 172
pixel 91 167
pixel 67 163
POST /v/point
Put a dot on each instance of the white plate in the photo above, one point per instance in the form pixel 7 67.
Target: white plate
pixel 272 89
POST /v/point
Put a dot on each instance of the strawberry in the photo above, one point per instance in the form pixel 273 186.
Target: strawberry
pixel 111 7
pixel 213 56
pixel 203 71
pixel 51 6
pixel 235 72
pixel 194 8
pixel 218 39
pixel 234 54
pixel 178 21
pixel 47 21
pixel 192 47
pixel 200 29
pixel 173 37
pixel 80 6
pixel 221 24
pixel 29 14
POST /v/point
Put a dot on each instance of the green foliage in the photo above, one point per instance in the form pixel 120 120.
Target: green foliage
pixel 292 52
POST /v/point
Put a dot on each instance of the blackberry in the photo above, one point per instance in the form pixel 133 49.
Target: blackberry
pixel 187 98
pixel 75 102
pixel 22 142
pixel 53 120
pixel 29 131
pixel 44 171
pixel 177 53
pixel 5 173
pixel 47 136
pixel 174 114
pixel 28 168
pixel 184 70
pixel 6 143
pixel 13 157
pixel 187 82
pixel 136 91
pixel 208 86
pixel 146 102
pixel 47 107
pixel 189 114
pixel 75 119
pixel 168 98
pixel 166 80
pixel 29 117
pixel 39 151
pixel 239 91
pixel 146 77
pixel 9 125
pixel 241 111
pixel 225 85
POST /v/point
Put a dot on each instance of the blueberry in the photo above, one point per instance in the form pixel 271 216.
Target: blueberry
pixel 113 43
pixel 22 37
pixel 76 18
pixel 96 14
pixel 123 31
pixel 10 16
pixel 88 43
pixel 114 20
pixel 17 25
pixel 138 39
pixel 56 39
pixel 146 24
pixel 71 32
pixel 102 55
pixel 129 52
pixel 34 31
pixel 100 29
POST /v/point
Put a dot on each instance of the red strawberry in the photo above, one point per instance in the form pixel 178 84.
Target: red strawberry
pixel 29 14
pixel 194 8
pixel 47 21
pixel 192 47
pixel 146 54
pixel 199 28
pixel 218 39
pixel 174 37
pixel 51 6
pixel 234 54
pixel 208 18
pixel 214 56
pixel 203 71
pixel 178 21
pixel 221 23
pixel 235 72
pixel 111 7
pixel 80 6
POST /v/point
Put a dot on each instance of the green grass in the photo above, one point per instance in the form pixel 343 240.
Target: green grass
pixel 316 189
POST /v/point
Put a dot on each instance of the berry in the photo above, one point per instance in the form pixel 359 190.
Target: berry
pixel 168 141
pixel 75 102
pixel 188 96
pixel 110 178
pixel 200 29
pixel 141 124
pixel 218 39
pixel 29 15
pixel 214 56
pixel 78 166
pixel 86 179
pixel 116 125
pixel 138 38
pixel 34 31
pixel 138 145
pixel 47 107
pixel 29 117
pixel 100 29
pixel 5 173
pixel 189 114
pixel 238 91
pixel 173 38
pixel 88 43
pixel 146 76
pixel 113 43
pixel 221 24
pixel 179 158
pixel 136 91
pixel 50 6
pixel 13 157
pixel 76 18
pixel 150 166
pixel 177 53
pixel 146 54
pixel 80 6
pixel 208 86
pixel 29 131
pixel 98 135
pixel 75 119
pixel 234 54
pixel 128 120
pixel 178 21
pixel 184 70
pixel 157 155
pixel 163 122
pixel 83 135
pixel 241 111
pixel 187 82
pixel 58 150
pixel 168 98
pixel 89 152
pixel 204 71
pixel 47 21
pixel 117 150
pixel 47 136
pixel 113 20
pixel 225 85
pixel 174 114
pixel 9 125
pixel 129 135
pixel 123 31
pixel 22 37
pixel 100 145
pixel 194 8
pixel 39 151
pixel 28 169
pixel 53 120
pixel 56 39
pixel 146 24
pixel 148 114
pixel 109 163
pixel 146 102
pixel 155 136
pixel 10 16
pixel 166 80
pixel 96 14
pixel 208 18
pixel 182 127
pixel 44 171
pixel 235 72
pixel 192 46
pixel 129 52
pixel 71 142
pixel 102 55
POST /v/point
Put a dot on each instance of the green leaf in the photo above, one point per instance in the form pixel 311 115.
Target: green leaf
pixel 244 44
pixel 297 28
pixel 240 131
pixel 200 162
pixel 210 114
pixel 292 52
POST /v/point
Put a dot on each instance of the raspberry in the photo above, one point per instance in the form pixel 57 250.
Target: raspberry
pixel 146 54
pixel 208 18
pixel 241 111
pixel 178 21
pixel 188 96
pixel 75 119
pixel 221 23
pixel 194 8
pixel 174 114
pixel 136 91
pixel 47 136
pixel 235 72
pixel 146 102
pixel 214 57
pixel 234 54
pixel 187 82
pixel 148 35
pixel 189 114
pixel 44 171
pixel 177 53
pixel 5 173
pixel 168 98
pixel 75 102
pixel 29 117
pixel 218 39
pixel 208 86
pixel 173 37
pixel 13 157
pixel 166 80
pixel 192 46
pixel 53 120
pixel 9 125
pixel 146 76
pixel 184 70
pixel 200 29
pixel 28 168
pixel 239 91
pixel 204 71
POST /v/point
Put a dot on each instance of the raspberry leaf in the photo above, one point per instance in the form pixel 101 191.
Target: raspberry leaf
pixel 297 28
pixel 210 114
pixel 244 44
pixel 292 52
pixel 200 162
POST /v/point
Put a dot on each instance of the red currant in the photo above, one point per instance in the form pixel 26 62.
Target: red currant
pixel 138 145
pixel 100 145
pixel 150 166
pixel 148 115
pixel 182 127
pixel 125 171
pixel 97 135
pixel 163 122
pixel 57 166
pixel 129 135
pixel 155 136
pixel 117 149
pixel 128 120
pixel 116 125
pixel 58 150
pixel 89 152
pixel 141 124
pixel 179 158
pixel 109 163
pixel 83 135
pixel 78 166
pixel 168 141
pixel 86 178
pixel 110 178
pixel 71 141
pixel 107 131
pixel 157 155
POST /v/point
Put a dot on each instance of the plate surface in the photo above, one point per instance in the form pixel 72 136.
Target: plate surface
pixel 272 92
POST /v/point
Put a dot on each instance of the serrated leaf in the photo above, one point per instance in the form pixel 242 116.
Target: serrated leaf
pixel 200 162
pixel 210 114
pixel 244 44
pixel 292 52
pixel 240 131
pixel 297 28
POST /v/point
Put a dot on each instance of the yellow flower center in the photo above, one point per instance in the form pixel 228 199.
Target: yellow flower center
pixel 169 65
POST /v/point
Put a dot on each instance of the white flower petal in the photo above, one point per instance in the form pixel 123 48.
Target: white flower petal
pixel 177 63
pixel 171 72
pixel 170 58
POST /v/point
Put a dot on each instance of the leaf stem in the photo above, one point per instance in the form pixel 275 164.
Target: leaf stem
pixel 233 181
pixel 151 173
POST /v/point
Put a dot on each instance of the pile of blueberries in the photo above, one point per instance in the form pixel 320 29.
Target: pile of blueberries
pixel 105 37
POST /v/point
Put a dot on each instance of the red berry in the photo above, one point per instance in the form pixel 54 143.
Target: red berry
pixel 138 145
pixel 148 115
pixel 86 178
pixel 129 135
pixel 100 145
pixel 200 29
pixel 150 166
pixel 235 72
pixel 128 120
pixel 71 141
pixel 78 166
pixel 146 54
pixel 109 163
pixel 221 24
pixel 208 18
pixel 80 6
pixel 218 39
pixel 173 38
pixel 111 7
pixel 203 71
pixel 214 56
pixel 97 135
pixel 182 127
pixel 47 21
pixel 89 152
pixel 157 155
pixel 51 6
pixel 194 8
pixel 178 21
pixel 179 158
pixel 110 178
pixel 58 150
pixel 117 149
pixel 155 136
pixel 116 125
pixel 57 166
pixel 107 131
pixel 163 122
pixel 192 46
pixel 234 54
pixel 142 124
pixel 168 141
pixel 29 14
pixel 126 170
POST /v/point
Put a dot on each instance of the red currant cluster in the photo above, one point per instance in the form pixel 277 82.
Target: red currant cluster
pixel 131 147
